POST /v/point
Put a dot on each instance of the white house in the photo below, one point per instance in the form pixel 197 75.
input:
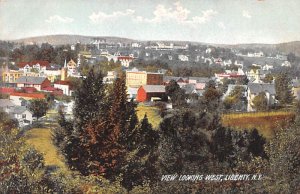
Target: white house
pixel 6 105
pixel 267 67
pixel 111 76
pixel 227 62
pixel 22 114
pixel 254 89
pixel 39 66
pixel 183 57
pixel 286 64
pixel 65 86
pixel 136 45
pixel 125 60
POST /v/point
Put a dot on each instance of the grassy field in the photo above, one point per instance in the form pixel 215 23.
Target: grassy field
pixel 265 122
pixel 152 114
pixel 40 139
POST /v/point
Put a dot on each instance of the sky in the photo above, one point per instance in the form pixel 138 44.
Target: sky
pixel 210 21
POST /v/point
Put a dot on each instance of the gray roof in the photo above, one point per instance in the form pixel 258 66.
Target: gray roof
pixel 188 88
pixel 256 88
pixel 169 78
pixel 30 80
pixel 231 88
pixel 296 83
pixel 154 88
pixel 200 79
pixel 19 109
pixel 263 72
pixel 6 103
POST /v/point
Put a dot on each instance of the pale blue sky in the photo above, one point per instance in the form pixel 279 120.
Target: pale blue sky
pixel 212 21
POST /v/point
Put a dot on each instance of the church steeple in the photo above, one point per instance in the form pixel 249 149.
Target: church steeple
pixel 65 65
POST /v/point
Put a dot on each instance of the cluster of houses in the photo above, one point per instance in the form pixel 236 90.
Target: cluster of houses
pixel 35 79
pixel 148 86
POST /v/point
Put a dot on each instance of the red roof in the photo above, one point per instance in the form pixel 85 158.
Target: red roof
pixel 61 82
pixel 42 63
pixel 33 95
pixel 125 58
pixel 7 90
pixel 50 89
pixel 29 89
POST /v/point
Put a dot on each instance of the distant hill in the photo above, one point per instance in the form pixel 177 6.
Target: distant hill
pixel 288 47
pixel 284 48
pixel 69 39
pixel 72 39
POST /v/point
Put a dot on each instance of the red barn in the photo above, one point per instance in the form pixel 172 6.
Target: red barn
pixel 37 82
pixel 146 92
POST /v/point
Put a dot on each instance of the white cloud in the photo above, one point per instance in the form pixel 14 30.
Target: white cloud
pixel 221 25
pixel 177 13
pixel 101 16
pixel 206 17
pixel 246 14
pixel 59 19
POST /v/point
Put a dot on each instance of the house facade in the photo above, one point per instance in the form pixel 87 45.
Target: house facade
pixel 65 86
pixel 30 81
pixel 38 66
pixel 11 76
pixel 19 98
pixel 254 89
pixel 135 78
pixel 150 93
pixel 125 60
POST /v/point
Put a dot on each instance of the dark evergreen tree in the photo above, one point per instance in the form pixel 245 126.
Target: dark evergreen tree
pixel 222 145
pixel 183 144
pixel 283 89
pixel 256 143
pixel 89 99
pixel 141 165
pixel 38 107
pixel 177 95
pixel 260 102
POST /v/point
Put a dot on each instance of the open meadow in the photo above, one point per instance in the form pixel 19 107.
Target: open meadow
pixel 152 114
pixel 265 122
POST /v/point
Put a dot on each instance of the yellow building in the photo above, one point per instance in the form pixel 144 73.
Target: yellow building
pixel 135 78
pixel 11 76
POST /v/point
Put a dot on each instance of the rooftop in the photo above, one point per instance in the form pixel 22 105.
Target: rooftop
pixel 154 88
pixel 261 87
pixel 30 80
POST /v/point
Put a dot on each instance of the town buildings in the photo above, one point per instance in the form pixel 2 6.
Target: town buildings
pixel 254 89
pixel 136 78
pixel 151 93
pixel 37 82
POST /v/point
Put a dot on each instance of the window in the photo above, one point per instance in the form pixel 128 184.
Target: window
pixel 23 116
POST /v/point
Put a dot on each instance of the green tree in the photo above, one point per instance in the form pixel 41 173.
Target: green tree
pixel 177 95
pixel 236 99
pixel 38 108
pixel 283 89
pixel 260 102
pixel 22 168
pixel 141 161
pixel 291 57
pixel 269 78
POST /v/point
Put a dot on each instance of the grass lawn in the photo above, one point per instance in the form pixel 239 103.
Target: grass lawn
pixel 152 114
pixel 265 122
pixel 40 139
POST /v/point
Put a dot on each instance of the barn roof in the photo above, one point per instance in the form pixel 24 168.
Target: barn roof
pixel 30 80
pixel 256 88
pixel 154 88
